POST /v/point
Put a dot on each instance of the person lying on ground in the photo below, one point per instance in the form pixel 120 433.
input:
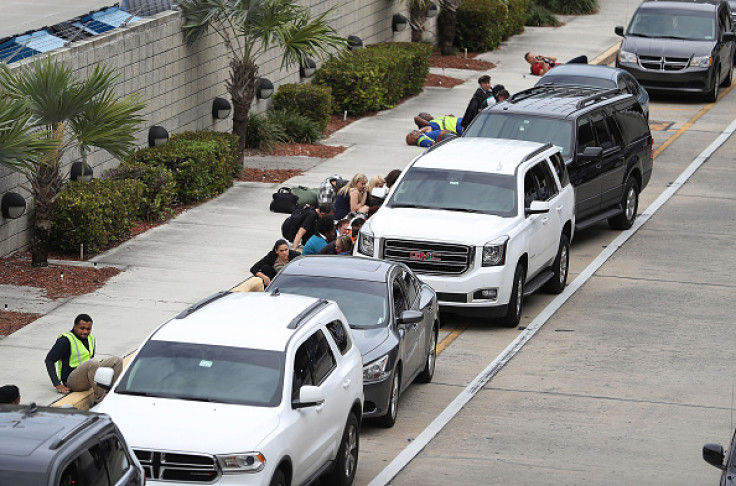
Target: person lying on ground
pixel 539 64
pixel 425 123
pixel 425 139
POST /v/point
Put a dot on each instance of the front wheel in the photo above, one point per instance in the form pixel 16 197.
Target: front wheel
pixel 389 419
pixel 346 462
pixel 278 479
pixel 513 313
pixel 630 203
pixel 712 95
pixel 428 372
pixel 557 283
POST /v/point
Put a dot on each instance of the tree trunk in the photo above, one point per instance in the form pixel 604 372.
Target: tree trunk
pixel 46 185
pixel 449 8
pixel 417 20
pixel 242 89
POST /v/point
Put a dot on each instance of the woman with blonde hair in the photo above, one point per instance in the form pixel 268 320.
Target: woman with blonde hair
pixel 352 197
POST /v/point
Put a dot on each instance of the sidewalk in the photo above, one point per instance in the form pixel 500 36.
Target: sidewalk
pixel 212 247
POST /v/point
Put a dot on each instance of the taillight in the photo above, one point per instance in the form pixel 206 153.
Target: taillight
pixel 651 148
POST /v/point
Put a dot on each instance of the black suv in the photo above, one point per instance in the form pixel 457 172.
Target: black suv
pixel 47 446
pixel 680 46
pixel 602 135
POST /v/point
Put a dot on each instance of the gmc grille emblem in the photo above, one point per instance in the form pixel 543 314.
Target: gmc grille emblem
pixel 423 255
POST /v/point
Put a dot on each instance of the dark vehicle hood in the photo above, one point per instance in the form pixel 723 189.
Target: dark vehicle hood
pixel 369 339
pixel 644 46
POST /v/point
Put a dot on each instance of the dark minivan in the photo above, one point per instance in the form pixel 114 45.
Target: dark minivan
pixel 602 135
pixel 679 46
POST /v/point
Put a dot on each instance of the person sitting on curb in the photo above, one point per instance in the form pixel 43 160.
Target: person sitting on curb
pixel 70 365
pixel 10 394
pixel 539 64
pixel 352 197
pixel 425 122
pixel 324 234
pixel 267 267
pixel 425 139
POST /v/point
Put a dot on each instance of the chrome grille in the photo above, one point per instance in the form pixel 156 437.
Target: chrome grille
pixel 177 466
pixel 426 257
pixel 657 63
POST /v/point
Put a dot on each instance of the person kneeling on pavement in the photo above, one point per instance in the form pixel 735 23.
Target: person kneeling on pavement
pixel 70 362
pixel 324 234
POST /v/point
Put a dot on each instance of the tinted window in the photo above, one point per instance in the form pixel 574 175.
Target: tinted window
pixel 631 122
pixel 674 24
pixel 324 360
pixel 88 469
pixel 365 304
pixel 520 127
pixel 410 287
pixel 586 137
pixel 116 458
pixel 399 299
pixel 340 335
pixel 205 372
pixel 539 184
pixel 606 138
pixel 313 362
pixel 560 169
pixel 456 190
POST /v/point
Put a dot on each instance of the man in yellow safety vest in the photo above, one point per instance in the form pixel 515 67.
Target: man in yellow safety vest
pixel 70 365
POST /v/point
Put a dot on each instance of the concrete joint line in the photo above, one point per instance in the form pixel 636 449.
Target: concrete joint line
pixel 423 439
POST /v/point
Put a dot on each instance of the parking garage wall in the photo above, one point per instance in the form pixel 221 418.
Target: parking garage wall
pixel 179 82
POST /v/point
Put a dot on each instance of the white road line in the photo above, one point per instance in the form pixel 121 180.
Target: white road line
pixel 421 441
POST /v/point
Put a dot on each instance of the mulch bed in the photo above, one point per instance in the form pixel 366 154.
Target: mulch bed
pixel 459 61
pixel 12 321
pixel 439 81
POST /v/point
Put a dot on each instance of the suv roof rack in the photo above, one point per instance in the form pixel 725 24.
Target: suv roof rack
pixel 597 97
pixel 562 89
pixel 312 309
pixel 195 307
pixel 538 151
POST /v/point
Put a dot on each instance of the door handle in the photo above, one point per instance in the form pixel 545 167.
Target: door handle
pixel 559 209
pixel 544 220
pixel 346 383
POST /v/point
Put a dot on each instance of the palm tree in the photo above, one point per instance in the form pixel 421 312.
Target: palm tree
pixel 449 21
pixel 78 115
pixel 417 18
pixel 249 28
pixel 21 146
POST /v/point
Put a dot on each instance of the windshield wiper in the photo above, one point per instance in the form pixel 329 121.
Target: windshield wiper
pixel 416 206
pixel 636 34
pixel 164 395
pixel 465 210
pixel 136 393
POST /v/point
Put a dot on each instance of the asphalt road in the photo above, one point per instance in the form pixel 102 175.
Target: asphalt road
pixel 628 379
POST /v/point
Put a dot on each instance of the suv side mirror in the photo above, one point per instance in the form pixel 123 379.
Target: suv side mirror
pixel 619 30
pixel 728 37
pixel 713 455
pixel 537 207
pixel 410 317
pixel 309 396
pixel 590 154
pixel 104 377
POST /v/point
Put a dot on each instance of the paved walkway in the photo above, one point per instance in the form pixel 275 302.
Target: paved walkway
pixel 211 247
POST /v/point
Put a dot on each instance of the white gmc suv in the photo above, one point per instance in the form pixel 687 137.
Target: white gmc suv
pixel 483 221
pixel 247 389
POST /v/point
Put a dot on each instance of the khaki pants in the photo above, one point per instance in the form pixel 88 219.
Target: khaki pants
pixel 83 376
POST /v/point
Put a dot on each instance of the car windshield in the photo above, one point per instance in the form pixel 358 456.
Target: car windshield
pixel 204 372
pixel 364 303
pixel 674 24
pixel 456 190
pixel 578 80
pixel 521 127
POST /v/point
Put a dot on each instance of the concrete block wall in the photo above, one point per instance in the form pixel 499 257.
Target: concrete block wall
pixel 179 82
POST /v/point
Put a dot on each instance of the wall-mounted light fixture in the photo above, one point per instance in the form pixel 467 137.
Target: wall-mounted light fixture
pixel 13 205
pixel 157 135
pixel 308 68
pixel 354 42
pixel 399 23
pixel 81 172
pixel 433 9
pixel 221 109
pixel 264 88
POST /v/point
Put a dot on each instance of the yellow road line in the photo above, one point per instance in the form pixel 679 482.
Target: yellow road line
pixel 450 338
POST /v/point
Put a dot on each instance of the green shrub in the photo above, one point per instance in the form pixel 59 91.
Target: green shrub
pixel 159 191
pixel 570 7
pixel 375 78
pixel 312 101
pixel 481 24
pixel 228 139
pixel 263 132
pixel 539 16
pixel 296 127
pixel 94 213
pixel 202 169
pixel 516 19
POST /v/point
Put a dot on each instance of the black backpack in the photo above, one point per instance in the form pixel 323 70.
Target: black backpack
pixel 293 222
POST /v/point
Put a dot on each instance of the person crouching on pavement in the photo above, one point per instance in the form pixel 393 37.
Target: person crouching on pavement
pixel 70 362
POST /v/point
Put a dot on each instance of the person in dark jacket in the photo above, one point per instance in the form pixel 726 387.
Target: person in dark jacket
pixel 481 94
pixel 267 267
pixel 70 362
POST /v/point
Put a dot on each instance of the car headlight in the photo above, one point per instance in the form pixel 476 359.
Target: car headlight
pixel 376 370
pixel 246 462
pixel 494 252
pixel 365 243
pixel 702 61
pixel 626 56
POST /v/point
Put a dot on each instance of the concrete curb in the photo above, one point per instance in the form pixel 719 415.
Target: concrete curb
pixel 607 56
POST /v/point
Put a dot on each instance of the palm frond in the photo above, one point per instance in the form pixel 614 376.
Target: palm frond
pixel 22 148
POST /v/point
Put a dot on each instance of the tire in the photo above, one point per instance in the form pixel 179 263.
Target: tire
pixel 278 479
pixel 630 203
pixel 560 266
pixel 513 313
pixel 729 77
pixel 388 420
pixel 428 372
pixel 712 95
pixel 346 462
